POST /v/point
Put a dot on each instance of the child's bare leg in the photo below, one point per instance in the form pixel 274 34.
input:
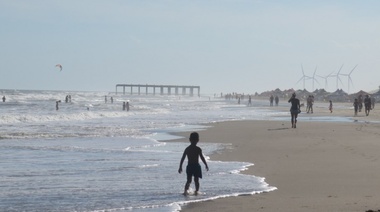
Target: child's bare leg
pixel 187 185
pixel 196 181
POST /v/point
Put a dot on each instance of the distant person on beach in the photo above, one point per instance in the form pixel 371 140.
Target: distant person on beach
pixel 127 106
pixel 123 105
pixel 367 104
pixel 271 98
pixel 356 106
pixel 56 104
pixel 67 99
pixel 331 106
pixel 193 168
pixel 276 100
pixel 111 100
pixel 294 109
pixel 309 104
pixel 4 98
pixel 373 100
pixel 249 100
pixel 360 100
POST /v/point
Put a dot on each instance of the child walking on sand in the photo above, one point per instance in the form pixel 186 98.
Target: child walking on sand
pixel 193 152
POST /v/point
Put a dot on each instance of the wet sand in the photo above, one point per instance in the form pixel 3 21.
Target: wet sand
pixel 319 166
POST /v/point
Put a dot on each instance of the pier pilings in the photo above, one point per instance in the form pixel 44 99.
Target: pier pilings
pixel 163 89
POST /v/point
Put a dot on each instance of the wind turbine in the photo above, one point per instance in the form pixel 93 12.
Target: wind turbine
pixel 338 78
pixel 326 77
pixel 349 79
pixel 304 78
pixel 313 78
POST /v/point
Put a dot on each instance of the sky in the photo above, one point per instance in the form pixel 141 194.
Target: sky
pixel 243 46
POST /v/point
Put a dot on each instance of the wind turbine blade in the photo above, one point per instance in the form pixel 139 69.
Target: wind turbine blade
pixel 299 80
pixel 350 80
pixel 340 69
pixel 329 74
pixel 352 70
pixel 340 80
pixel 321 76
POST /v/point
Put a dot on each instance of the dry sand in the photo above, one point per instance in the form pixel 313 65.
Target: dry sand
pixel 319 166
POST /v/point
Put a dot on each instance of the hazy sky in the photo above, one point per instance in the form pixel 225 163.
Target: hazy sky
pixel 221 45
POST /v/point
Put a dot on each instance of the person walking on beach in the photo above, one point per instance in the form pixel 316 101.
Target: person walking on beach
pixel 331 106
pixel 373 100
pixel 3 98
pixel 360 100
pixel 193 153
pixel 276 100
pixel 294 109
pixel 356 106
pixel 367 104
pixel 271 98
pixel 309 104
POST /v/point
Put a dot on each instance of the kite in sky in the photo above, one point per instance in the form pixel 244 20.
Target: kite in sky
pixel 60 66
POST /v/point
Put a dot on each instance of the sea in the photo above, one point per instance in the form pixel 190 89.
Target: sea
pixel 91 155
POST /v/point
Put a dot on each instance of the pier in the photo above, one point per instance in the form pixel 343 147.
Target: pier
pixel 162 89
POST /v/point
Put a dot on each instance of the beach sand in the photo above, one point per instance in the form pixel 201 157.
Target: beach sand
pixel 319 166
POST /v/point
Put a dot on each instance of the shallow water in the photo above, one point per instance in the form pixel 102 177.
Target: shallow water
pixel 92 156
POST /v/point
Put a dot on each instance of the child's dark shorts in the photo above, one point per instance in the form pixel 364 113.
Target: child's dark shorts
pixel 194 170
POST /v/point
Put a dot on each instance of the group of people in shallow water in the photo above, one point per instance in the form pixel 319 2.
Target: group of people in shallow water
pixel 67 100
pixel 126 104
pixel 275 99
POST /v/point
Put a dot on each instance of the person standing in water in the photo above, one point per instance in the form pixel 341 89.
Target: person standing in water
pixel 193 153
pixel 271 98
pixel 276 100
pixel 294 109
pixel 57 104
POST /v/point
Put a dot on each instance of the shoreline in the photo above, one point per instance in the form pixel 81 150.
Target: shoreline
pixel 319 166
